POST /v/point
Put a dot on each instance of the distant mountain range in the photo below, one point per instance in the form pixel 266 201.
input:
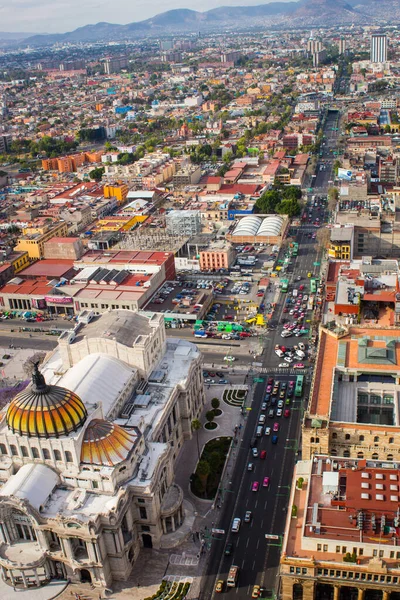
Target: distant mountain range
pixel 303 13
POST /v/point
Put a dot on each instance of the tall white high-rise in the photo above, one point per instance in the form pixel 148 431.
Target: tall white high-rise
pixel 379 48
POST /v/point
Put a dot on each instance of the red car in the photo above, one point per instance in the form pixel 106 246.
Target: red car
pixel 276 427
pixel 263 454
pixel 287 413
pixel 301 287
pixel 270 381
pixel 266 482
pixel 255 486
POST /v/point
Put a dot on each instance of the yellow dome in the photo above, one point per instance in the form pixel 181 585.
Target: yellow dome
pixel 106 443
pixel 45 410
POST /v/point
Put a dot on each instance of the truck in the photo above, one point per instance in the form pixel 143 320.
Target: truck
pixel 85 316
pixel 232 576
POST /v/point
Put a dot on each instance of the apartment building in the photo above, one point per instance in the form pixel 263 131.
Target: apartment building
pixel 34 238
pixel 218 255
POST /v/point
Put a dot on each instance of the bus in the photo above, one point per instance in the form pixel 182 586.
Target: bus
pixel 299 385
pixel 310 303
pixel 313 285
pixel 232 576
pixel 284 285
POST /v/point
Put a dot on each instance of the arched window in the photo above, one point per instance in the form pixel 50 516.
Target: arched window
pixel 334 436
pixel 14 450
pixel 334 452
pixel 3 449
pixel 346 453
pixel 24 451
pixel 68 456
pixel 376 439
pixel 347 436
pixel 389 457
pixel 317 440
pixel 35 452
pixel 361 438
pixel 360 455
pixel 46 454
pixel 391 440
pixel 312 440
pixel 57 454
pixel 375 456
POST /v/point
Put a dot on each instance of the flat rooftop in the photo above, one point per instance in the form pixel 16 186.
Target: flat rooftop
pixel 345 501
pixel 373 352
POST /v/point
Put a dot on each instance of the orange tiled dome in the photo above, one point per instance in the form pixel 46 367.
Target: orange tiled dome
pixel 45 410
pixel 106 443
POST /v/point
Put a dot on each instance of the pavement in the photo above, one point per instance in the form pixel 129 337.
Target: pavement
pixel 52 590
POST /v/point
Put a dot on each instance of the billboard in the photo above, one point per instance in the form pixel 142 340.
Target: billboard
pixel 344 174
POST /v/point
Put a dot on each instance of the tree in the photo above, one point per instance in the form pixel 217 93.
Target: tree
pixel 323 238
pixel 288 206
pixel 97 173
pixel 210 416
pixel 215 403
pixel 196 426
pixel 333 197
pixel 202 471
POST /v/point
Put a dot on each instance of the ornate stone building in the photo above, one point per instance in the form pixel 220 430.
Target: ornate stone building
pixel 87 452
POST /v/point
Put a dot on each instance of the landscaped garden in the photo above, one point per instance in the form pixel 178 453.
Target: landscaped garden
pixel 169 590
pixel 235 397
pixel 205 481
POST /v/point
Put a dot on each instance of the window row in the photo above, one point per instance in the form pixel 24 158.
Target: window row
pixel 361 438
pixel 357 575
pixel 36 452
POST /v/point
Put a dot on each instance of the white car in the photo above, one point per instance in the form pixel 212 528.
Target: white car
pixel 268 431
pixel 235 525
pixel 302 346
pixel 230 358
pixel 283 365
pixel 300 354
pixel 279 353
pixel 288 359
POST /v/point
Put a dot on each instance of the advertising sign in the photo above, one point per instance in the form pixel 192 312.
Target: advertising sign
pixel 345 174
pixel 58 299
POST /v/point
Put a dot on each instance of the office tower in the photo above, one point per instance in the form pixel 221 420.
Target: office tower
pixel 342 46
pixel 378 48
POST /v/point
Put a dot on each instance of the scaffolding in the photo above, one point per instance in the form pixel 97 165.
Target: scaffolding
pixel 154 240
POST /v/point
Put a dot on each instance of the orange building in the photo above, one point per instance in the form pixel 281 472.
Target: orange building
pixel 119 191
pixel 218 256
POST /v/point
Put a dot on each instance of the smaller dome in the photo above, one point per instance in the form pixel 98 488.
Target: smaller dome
pixel 106 443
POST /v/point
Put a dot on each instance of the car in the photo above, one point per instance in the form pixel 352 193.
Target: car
pixel 271 413
pixel 309 274
pixel 229 358
pixel 220 586
pixel 274 439
pixel 256 592
pixel 301 347
pixel 287 412
pixel 298 278
pixel 269 389
pixel 280 404
pixel 205 373
pixel 278 412
pixel 289 394
pixel 264 406
pixel 285 310
pixel 282 394
pixel 298 366
pixel 266 482
pixel 254 452
pixel 223 381
pixel 276 427
pixel 255 486
pixel 228 549
pixel 268 431
pixel 287 401
pixel 279 353
pixel 288 359
pixel 267 398
pixel 291 384
pixel 219 374
pixel 236 524
pixel 248 516
pixel 283 365
pixel 270 381
pixel 211 374
pixel 263 454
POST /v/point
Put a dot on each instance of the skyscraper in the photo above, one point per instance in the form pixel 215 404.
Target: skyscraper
pixel 342 46
pixel 378 48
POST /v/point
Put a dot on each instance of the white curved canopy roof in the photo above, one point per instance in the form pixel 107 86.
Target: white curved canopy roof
pixel 33 482
pixel 254 226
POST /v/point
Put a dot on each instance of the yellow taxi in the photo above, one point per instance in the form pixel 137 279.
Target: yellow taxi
pixel 220 586
pixel 256 591
pixel 309 274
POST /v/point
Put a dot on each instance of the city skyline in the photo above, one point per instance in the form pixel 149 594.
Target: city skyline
pixel 70 14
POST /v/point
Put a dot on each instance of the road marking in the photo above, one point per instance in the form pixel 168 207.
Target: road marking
pixel 247 543
pixel 265 505
pixel 256 504
pixel 258 543
pixel 262 523
pixel 254 566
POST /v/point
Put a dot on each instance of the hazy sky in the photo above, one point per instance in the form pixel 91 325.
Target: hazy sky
pixel 47 16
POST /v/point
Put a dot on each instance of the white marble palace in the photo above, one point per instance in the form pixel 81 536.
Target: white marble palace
pixel 87 452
